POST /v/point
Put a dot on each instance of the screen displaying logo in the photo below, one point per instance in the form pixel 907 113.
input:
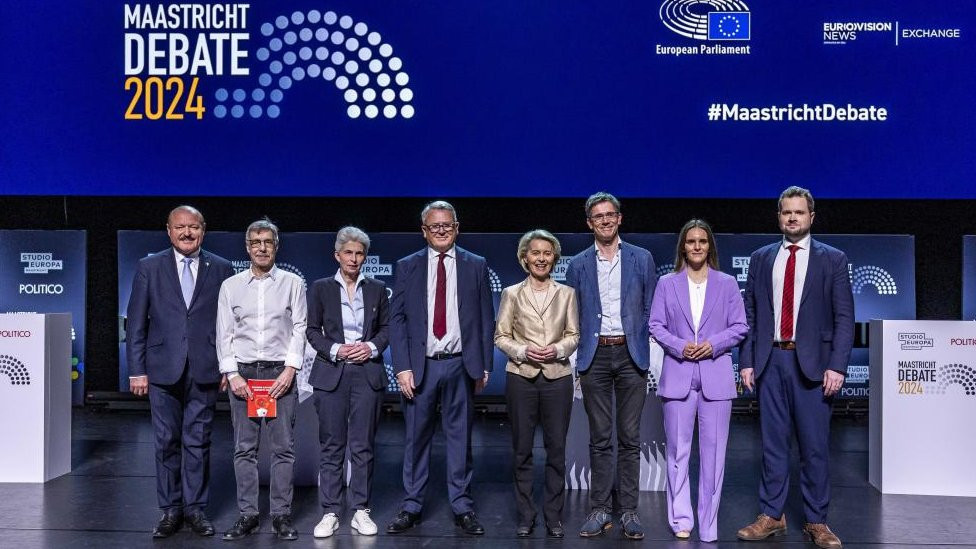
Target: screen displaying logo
pixel 707 19
pixel 40 263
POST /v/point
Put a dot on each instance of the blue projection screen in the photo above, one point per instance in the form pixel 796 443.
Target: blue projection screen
pixel 659 98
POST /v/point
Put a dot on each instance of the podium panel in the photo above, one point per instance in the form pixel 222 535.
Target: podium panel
pixel 922 407
pixel 35 396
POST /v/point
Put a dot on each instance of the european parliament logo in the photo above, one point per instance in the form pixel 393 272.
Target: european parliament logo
pixel 708 19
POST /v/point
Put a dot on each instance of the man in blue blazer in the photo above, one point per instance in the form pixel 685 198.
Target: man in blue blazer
pixel 800 311
pixel 614 283
pixel 442 352
pixel 171 354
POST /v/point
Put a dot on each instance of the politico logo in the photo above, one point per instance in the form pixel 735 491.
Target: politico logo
pixel 41 289
pixel 962 341
pixel 15 333
pixel 40 263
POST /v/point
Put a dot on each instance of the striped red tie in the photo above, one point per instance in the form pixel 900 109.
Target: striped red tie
pixel 440 300
pixel 786 316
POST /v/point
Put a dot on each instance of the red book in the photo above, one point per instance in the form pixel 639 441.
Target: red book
pixel 261 405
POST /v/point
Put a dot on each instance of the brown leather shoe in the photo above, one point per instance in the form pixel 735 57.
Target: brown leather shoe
pixel 764 527
pixel 820 534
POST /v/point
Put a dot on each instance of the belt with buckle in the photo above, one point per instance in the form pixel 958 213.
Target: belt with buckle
pixel 443 356
pixel 611 340
pixel 785 345
pixel 263 363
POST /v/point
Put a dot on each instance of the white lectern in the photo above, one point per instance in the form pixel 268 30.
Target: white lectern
pixel 35 396
pixel 922 407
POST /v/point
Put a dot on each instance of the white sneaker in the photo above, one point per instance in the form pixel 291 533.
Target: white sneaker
pixel 362 523
pixel 327 526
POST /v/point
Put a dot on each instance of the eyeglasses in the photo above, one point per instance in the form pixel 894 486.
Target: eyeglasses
pixel 441 227
pixel 609 216
pixel 258 243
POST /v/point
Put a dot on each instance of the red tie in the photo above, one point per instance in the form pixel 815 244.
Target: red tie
pixel 786 318
pixel 440 299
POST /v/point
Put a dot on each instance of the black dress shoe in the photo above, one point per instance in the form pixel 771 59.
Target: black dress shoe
pixel 469 524
pixel 523 531
pixel 283 527
pixel 169 524
pixel 555 530
pixel 403 521
pixel 245 525
pixel 200 524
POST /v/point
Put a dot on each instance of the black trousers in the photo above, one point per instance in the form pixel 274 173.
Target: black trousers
pixel 531 402
pixel 614 379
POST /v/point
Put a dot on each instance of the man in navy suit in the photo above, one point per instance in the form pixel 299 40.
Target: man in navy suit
pixel 171 354
pixel 614 283
pixel 442 352
pixel 800 312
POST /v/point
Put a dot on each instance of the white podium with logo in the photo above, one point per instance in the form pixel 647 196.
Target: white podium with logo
pixel 35 396
pixel 923 407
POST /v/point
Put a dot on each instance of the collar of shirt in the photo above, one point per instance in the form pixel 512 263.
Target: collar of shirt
pixel 342 281
pixel 179 256
pixel 804 243
pixel 599 256
pixel 272 274
pixel 432 253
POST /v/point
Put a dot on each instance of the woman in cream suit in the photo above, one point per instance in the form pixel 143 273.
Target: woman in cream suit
pixel 697 316
pixel 538 328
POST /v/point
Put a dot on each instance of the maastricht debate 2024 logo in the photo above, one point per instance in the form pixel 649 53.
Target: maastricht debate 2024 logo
pixel 14 370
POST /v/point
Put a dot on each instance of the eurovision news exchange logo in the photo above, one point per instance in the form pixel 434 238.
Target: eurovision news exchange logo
pixel 924 377
pixel 706 21
pixel 839 33
pixel 40 262
pixel 170 48
pixel 15 370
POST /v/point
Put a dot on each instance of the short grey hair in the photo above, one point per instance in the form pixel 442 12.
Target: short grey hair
pixel 437 205
pixel 599 197
pixel 537 234
pixel 263 224
pixel 351 234
pixel 793 192
pixel 188 209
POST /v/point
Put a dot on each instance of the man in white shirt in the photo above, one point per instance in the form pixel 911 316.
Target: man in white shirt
pixel 261 318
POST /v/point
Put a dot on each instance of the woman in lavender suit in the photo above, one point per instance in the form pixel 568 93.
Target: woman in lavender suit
pixel 697 316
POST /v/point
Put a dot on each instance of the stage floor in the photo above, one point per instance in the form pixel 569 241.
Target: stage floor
pixel 109 500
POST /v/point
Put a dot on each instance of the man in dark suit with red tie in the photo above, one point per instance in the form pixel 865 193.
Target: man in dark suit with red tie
pixel 442 353
pixel 800 311
pixel 172 357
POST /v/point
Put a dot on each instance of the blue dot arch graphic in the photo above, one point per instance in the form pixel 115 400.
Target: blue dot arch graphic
pixel 336 49
pixel 14 370
pixel 689 18
pixel 872 275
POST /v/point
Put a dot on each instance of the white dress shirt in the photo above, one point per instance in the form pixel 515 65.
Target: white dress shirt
pixel 261 319
pixel 451 342
pixel 696 297
pixel 353 316
pixel 608 279
pixel 194 264
pixel 799 277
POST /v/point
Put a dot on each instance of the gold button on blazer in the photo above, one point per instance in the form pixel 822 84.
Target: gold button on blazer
pixel 521 322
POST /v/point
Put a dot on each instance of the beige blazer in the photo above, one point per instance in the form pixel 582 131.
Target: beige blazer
pixel 521 322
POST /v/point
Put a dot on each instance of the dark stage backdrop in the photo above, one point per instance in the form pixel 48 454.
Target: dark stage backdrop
pixel 881 270
pixel 661 98
pixel 937 226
